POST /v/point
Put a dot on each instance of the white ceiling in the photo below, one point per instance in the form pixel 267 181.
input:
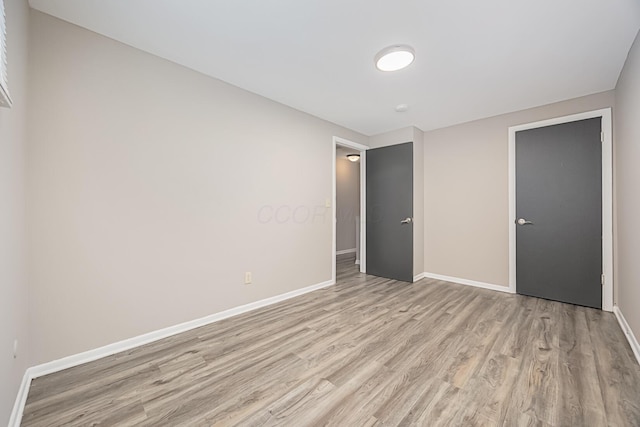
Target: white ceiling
pixel 474 59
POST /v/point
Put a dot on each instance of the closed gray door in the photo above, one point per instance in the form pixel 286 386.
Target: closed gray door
pixel 390 212
pixel 559 212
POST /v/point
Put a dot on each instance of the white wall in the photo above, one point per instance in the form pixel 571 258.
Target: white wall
pixel 627 188
pixel 466 191
pixel 13 284
pixel 347 199
pixel 153 189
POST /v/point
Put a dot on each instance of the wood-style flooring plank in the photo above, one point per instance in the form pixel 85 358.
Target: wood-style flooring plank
pixel 368 351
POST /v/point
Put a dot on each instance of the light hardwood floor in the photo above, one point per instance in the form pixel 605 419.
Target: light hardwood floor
pixel 368 351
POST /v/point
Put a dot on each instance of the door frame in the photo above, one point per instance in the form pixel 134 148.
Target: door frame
pixel 363 201
pixel 607 196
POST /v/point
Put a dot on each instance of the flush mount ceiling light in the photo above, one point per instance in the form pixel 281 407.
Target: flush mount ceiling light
pixel 394 58
pixel 353 157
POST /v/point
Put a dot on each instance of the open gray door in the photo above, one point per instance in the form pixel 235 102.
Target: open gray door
pixel 390 212
pixel 559 212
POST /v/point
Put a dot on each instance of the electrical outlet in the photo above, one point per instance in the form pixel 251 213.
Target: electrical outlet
pixel 247 278
pixel 15 348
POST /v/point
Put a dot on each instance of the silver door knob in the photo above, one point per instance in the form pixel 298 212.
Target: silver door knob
pixel 522 221
pixel 407 220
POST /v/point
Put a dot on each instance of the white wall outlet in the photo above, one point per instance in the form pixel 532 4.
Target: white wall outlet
pixel 247 278
pixel 15 348
pixel 327 203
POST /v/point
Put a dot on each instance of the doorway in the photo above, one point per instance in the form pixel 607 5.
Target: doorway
pixel 348 204
pixel 561 209
pixel 344 146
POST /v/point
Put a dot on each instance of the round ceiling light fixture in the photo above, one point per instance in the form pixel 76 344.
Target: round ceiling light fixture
pixel 353 157
pixel 394 58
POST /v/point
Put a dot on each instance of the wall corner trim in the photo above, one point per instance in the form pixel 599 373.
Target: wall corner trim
pixel 129 343
pixel 633 340
pixel 468 282
pixel 418 277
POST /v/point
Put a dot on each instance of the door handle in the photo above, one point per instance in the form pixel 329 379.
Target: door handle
pixel 407 220
pixel 522 221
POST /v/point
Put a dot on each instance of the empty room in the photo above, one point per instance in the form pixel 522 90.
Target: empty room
pixel 308 213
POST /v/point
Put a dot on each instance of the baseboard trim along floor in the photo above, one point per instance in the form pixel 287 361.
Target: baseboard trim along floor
pixel 346 251
pixel 127 344
pixel 21 400
pixel 101 352
pixel 366 350
pixel 467 282
pixel 633 341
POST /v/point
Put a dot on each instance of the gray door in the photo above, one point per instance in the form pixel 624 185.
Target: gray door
pixel 559 212
pixel 390 212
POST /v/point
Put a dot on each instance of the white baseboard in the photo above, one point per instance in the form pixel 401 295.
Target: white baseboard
pixel 346 251
pixel 418 277
pixel 21 400
pixel 124 345
pixel 468 282
pixel 633 341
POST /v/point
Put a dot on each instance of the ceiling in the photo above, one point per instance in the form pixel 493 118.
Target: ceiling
pixel 474 59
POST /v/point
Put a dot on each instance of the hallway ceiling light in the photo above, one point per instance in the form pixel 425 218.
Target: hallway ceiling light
pixel 394 58
pixel 353 157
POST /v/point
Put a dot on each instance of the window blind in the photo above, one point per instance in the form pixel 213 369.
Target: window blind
pixel 5 99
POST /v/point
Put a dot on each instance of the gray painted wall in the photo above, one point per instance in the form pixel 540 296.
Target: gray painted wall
pixel 627 189
pixel 153 188
pixel 13 281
